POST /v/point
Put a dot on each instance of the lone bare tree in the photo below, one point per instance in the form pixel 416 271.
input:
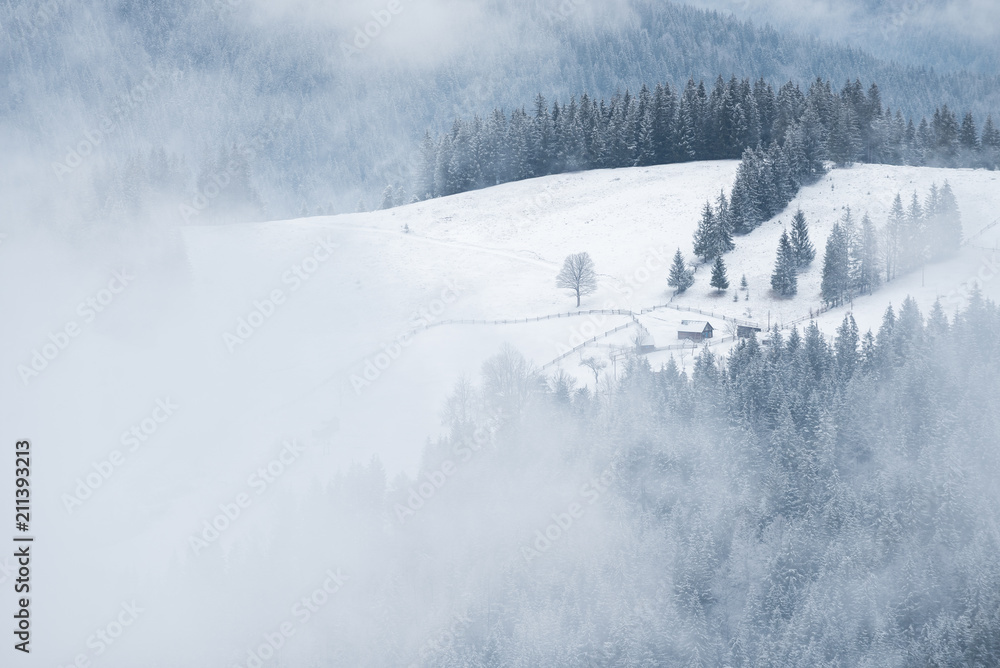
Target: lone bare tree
pixel 578 275
pixel 595 365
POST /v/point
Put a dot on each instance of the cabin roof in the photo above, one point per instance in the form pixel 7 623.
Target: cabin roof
pixel 695 325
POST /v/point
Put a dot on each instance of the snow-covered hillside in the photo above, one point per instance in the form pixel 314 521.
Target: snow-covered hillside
pixel 309 329
pixel 501 248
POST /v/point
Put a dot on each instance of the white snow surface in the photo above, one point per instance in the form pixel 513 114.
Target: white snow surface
pixel 162 337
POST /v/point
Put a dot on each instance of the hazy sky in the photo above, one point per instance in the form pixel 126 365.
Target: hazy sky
pixel 879 24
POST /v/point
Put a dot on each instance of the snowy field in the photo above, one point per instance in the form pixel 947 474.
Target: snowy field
pixel 214 346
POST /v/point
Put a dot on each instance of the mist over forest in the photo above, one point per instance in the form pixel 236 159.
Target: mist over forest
pixel 127 110
pixel 498 333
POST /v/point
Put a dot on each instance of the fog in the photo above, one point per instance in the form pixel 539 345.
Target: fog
pixel 945 34
pixel 299 387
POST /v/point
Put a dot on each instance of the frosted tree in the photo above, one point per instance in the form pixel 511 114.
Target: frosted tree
pixel 578 275
pixel 990 145
pixel 704 236
pixel 719 279
pixel 891 236
pixel 867 265
pixel 388 200
pixel 784 280
pixel 947 231
pixel 836 266
pixel 723 236
pixel 802 247
pixel 680 278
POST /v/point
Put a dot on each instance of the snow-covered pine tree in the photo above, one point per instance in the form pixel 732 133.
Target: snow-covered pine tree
pixel 723 234
pixel 950 220
pixel 705 245
pixel 784 280
pixel 428 165
pixel 868 265
pixel 914 238
pixel 846 348
pixel 968 141
pixel 836 266
pixel 680 278
pixel 719 279
pixel 388 200
pixel 802 247
pixel 892 236
pixel 942 223
pixel 990 144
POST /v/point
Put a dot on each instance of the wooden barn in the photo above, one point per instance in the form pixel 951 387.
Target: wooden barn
pixel 744 331
pixel 695 330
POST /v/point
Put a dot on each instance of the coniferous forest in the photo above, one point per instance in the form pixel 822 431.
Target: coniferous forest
pixel 808 501
pixel 784 138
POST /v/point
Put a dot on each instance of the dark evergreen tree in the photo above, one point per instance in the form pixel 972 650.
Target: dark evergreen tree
pixel 802 247
pixel 680 278
pixel 719 279
pixel 784 280
pixel 836 266
pixel 868 274
pixel 705 245
pixel 846 348
pixel 723 233
pixel 990 144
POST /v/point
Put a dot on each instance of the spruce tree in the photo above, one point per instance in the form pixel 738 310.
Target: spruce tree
pixel 846 348
pixel 892 236
pixel 914 237
pixel 784 280
pixel 705 245
pixel 680 277
pixel 719 279
pixel 990 145
pixel 949 221
pixel 802 247
pixel 868 264
pixel 836 266
pixel 723 234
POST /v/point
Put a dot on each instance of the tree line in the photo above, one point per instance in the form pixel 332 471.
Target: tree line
pixel 790 133
pixel 860 258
